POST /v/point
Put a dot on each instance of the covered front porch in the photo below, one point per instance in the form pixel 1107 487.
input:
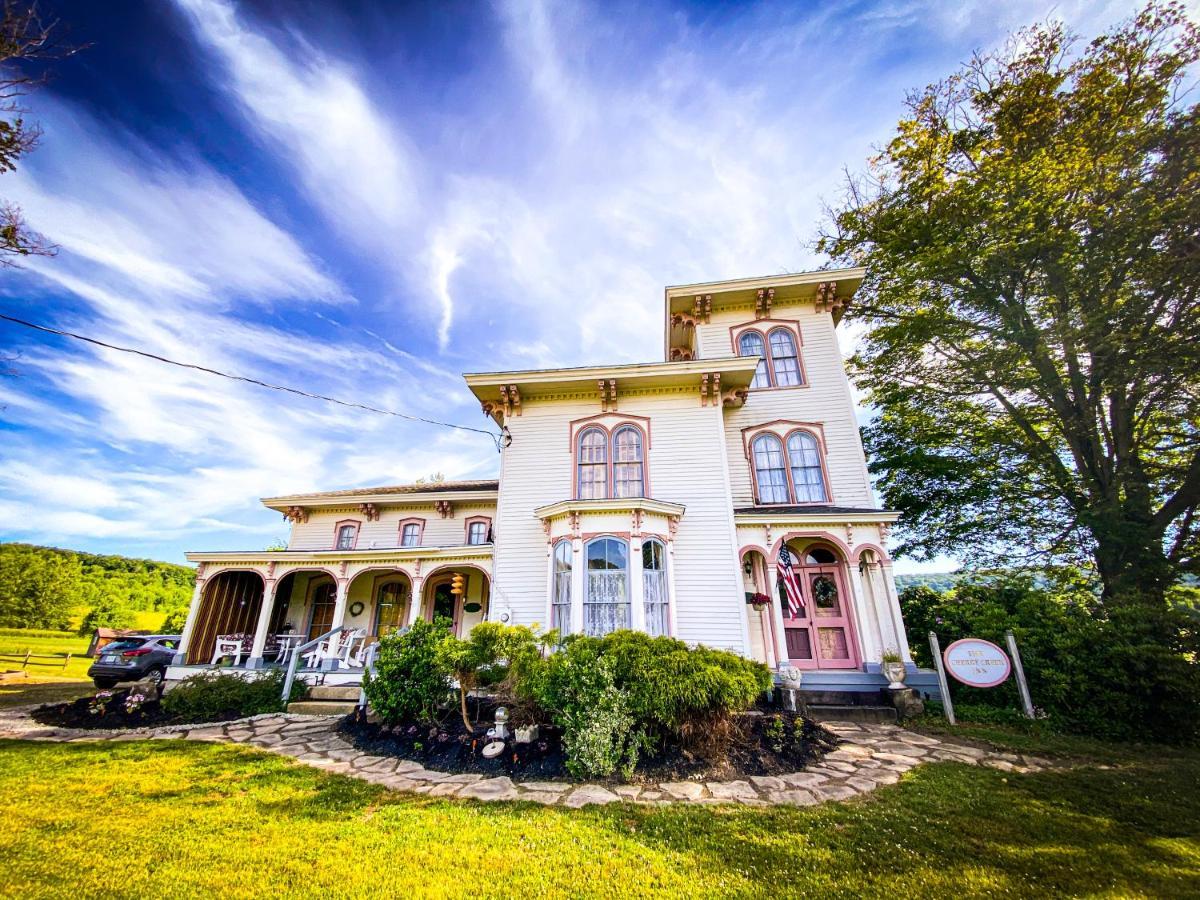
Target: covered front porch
pixel 255 612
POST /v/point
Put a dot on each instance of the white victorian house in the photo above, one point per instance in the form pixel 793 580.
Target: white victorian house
pixel 655 496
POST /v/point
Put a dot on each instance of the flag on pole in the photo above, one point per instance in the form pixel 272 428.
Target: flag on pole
pixel 787 574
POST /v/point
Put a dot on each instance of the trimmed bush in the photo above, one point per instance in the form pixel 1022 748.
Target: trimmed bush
pixel 210 696
pixel 411 680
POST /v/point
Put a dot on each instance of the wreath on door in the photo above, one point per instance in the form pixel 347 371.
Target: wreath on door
pixel 824 591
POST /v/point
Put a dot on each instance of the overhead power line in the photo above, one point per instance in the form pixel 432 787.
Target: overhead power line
pixel 264 384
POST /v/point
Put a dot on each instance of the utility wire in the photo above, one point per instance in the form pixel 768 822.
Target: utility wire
pixel 274 387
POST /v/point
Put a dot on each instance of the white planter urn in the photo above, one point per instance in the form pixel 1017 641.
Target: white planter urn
pixel 895 673
pixel 790 677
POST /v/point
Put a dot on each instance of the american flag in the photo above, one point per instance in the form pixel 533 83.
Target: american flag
pixel 787 574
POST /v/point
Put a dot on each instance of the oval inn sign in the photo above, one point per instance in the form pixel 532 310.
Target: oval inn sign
pixel 977 662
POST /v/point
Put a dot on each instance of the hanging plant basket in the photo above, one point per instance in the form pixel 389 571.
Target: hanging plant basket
pixel 759 601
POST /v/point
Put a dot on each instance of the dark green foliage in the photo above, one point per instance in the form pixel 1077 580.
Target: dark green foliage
pixel 938 581
pixel 627 692
pixel 210 695
pixel 410 680
pixel 42 587
pixel 1094 670
pixel 108 613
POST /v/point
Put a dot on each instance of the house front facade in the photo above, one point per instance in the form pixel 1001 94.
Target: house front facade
pixel 659 496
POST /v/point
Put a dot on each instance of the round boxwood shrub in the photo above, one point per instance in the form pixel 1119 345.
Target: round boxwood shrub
pixel 410 681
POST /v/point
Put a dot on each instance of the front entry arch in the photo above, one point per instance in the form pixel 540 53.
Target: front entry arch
pixel 820 634
pixel 463 612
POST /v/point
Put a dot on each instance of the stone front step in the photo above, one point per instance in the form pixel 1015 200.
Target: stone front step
pixel 348 692
pixel 322 707
pixel 883 715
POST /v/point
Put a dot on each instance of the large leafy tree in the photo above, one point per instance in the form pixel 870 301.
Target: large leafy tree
pixel 1032 242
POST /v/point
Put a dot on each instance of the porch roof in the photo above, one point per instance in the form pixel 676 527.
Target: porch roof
pixel 824 513
pixel 386 554
pixel 459 491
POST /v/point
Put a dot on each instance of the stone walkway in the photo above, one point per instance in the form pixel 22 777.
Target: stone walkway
pixel 867 757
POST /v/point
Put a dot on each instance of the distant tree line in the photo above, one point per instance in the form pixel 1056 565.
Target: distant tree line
pixel 45 587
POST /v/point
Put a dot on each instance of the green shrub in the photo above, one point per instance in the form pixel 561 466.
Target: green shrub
pixel 211 695
pixel 620 695
pixel 1108 673
pixel 483 657
pixel 410 680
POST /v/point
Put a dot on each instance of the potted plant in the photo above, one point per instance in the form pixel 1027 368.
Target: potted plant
pixel 892 666
pixel 759 601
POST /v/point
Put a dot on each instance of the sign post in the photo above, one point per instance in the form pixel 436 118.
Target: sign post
pixel 1022 686
pixel 947 704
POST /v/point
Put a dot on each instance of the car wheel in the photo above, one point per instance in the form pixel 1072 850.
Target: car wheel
pixel 156 676
pixel 104 683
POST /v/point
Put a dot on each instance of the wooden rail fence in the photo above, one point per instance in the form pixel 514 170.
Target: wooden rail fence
pixel 29 658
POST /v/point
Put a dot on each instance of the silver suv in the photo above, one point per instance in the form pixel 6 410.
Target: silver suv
pixel 134 658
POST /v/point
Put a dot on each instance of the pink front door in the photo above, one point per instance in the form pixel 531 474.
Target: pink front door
pixel 822 636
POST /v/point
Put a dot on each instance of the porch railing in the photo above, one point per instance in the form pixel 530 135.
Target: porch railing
pixel 294 662
pixel 368 669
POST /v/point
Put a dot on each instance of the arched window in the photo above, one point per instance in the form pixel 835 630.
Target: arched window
pixel 804 458
pixel 770 475
pixel 751 344
pixel 391 607
pixel 560 591
pixel 606 601
pixel 346 535
pixel 593 464
pixel 654 587
pixel 628 468
pixel 785 364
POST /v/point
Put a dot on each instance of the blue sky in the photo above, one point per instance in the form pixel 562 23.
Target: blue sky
pixel 365 199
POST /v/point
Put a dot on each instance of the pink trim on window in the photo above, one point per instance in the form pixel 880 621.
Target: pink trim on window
pixel 609 433
pixel 471 520
pixel 337 531
pixel 784 429
pixel 763 328
pixel 420 523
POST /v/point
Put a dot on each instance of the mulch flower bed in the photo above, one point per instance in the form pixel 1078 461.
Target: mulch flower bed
pixel 114 711
pixel 761 742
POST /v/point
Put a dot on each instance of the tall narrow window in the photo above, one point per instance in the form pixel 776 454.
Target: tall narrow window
pixel 391 608
pixel 804 457
pixel 654 587
pixel 751 344
pixel 560 596
pixel 784 362
pixel 769 472
pixel 606 602
pixel 593 464
pixel 345 537
pixel 320 617
pixel 477 533
pixel 628 469
pixel 410 535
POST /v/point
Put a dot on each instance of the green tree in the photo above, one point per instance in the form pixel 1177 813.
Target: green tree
pixel 37 590
pixel 110 612
pixel 1033 333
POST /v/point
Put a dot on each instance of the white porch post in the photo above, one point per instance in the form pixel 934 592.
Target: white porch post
pixel 781 651
pixel 637 586
pixel 414 607
pixel 339 614
pixel 887 625
pixel 264 619
pixel 578 577
pixel 892 601
pixel 868 616
pixel 189 626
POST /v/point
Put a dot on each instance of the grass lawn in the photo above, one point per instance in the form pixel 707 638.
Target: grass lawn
pixel 212 820
pixel 15 641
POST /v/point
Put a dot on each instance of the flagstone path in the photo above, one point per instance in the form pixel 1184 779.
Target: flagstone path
pixel 867 757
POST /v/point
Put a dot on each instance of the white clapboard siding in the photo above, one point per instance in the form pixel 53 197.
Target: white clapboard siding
pixel 825 400
pixel 686 465
pixel 318 532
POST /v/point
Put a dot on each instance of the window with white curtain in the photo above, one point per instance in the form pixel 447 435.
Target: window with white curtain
pixel 560 596
pixel 804 458
pixel 411 535
pixel 751 344
pixel 628 467
pixel 477 533
pixel 345 537
pixel 785 364
pixel 770 474
pixel 654 587
pixel 606 600
pixel 593 464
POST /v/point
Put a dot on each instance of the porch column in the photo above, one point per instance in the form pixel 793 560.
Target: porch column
pixel 781 651
pixel 637 587
pixel 578 580
pixel 414 606
pixel 264 619
pixel 339 613
pixel 766 618
pixel 893 607
pixel 868 616
pixel 189 625
pixel 887 624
